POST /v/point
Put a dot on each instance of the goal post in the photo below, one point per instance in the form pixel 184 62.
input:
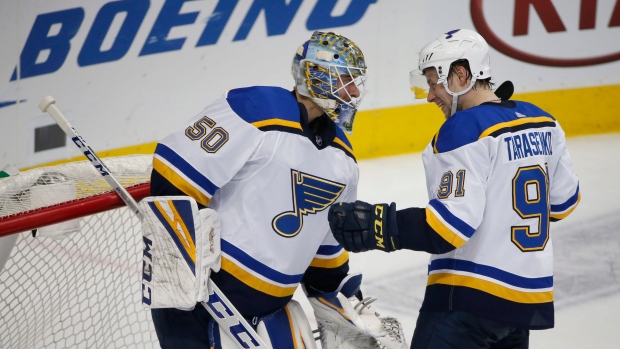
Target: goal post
pixel 80 289
pixel 79 208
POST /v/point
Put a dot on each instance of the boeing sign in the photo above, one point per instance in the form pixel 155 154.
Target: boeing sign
pixel 53 32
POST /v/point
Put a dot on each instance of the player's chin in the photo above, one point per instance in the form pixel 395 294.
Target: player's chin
pixel 446 111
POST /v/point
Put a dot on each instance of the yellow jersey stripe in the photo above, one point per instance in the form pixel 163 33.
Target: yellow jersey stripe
pixel 517 122
pixel 254 282
pixel 441 229
pixel 295 125
pixel 569 211
pixel 344 145
pixel 180 182
pixel 277 122
pixel 491 288
pixel 435 143
pixel 330 262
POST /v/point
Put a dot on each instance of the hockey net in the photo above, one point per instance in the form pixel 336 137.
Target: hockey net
pixel 73 289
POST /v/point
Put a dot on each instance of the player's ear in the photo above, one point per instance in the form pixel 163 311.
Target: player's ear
pixel 461 73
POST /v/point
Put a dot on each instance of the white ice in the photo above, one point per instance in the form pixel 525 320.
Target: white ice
pixel 586 244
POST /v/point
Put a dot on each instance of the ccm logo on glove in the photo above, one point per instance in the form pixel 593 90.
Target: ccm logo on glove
pixel 359 226
pixel 379 226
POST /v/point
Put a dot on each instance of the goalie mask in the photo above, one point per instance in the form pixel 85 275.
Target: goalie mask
pixel 450 47
pixel 331 70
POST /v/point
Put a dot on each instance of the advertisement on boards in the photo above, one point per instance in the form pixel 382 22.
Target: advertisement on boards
pixel 126 73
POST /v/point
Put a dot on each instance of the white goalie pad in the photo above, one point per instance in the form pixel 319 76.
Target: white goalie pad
pixel 346 322
pixel 287 328
pixel 181 245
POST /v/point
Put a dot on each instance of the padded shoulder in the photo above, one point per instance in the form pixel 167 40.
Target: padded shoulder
pixel 260 103
pixel 489 120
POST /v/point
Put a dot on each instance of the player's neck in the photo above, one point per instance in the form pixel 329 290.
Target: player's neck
pixel 314 111
pixel 476 97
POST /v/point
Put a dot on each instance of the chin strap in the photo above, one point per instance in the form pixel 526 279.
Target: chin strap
pixel 455 99
pixel 325 103
pixel 455 95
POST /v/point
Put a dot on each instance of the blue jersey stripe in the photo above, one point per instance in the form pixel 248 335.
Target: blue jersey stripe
pixel 259 267
pixel 187 169
pixel 453 220
pixel 568 204
pixel 326 250
pixel 492 272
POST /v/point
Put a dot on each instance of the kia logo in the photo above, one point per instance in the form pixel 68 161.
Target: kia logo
pixel 552 23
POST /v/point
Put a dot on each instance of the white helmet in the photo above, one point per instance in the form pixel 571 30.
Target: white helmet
pixel 442 52
pixel 318 68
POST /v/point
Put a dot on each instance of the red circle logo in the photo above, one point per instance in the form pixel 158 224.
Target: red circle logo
pixel 484 29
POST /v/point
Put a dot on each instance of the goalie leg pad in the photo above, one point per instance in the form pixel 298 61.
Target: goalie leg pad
pixel 181 247
pixel 286 328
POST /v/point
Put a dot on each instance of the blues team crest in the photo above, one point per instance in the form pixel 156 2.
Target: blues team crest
pixel 311 195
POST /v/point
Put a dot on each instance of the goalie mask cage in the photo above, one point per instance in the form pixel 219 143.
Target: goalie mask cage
pixel 79 289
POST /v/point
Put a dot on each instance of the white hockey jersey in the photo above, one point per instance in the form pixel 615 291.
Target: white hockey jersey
pixel 497 175
pixel 252 158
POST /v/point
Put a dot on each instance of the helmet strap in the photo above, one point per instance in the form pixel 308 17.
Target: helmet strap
pixel 455 99
pixel 325 103
pixel 455 95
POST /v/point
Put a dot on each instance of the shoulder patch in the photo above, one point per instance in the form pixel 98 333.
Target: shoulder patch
pixel 266 107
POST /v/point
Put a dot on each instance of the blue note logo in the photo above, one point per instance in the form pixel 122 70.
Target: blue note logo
pixel 311 195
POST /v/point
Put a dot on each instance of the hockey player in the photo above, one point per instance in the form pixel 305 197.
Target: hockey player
pixel 270 162
pixel 497 172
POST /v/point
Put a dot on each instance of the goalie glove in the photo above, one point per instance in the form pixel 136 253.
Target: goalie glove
pixel 360 226
pixel 346 322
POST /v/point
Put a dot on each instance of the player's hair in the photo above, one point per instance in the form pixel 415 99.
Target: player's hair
pixel 485 84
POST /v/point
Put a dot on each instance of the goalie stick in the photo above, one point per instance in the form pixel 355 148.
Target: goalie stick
pixel 48 104
pixel 222 310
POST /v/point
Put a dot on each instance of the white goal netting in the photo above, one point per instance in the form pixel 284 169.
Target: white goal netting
pixel 79 289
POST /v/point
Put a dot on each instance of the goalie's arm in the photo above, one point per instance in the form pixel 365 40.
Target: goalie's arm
pixel 323 277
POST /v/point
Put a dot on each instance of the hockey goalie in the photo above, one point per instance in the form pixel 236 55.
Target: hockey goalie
pixel 269 162
pixel 182 249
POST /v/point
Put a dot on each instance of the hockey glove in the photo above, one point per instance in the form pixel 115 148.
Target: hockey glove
pixel 360 226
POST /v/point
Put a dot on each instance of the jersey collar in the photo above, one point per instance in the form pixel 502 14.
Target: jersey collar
pixel 321 132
